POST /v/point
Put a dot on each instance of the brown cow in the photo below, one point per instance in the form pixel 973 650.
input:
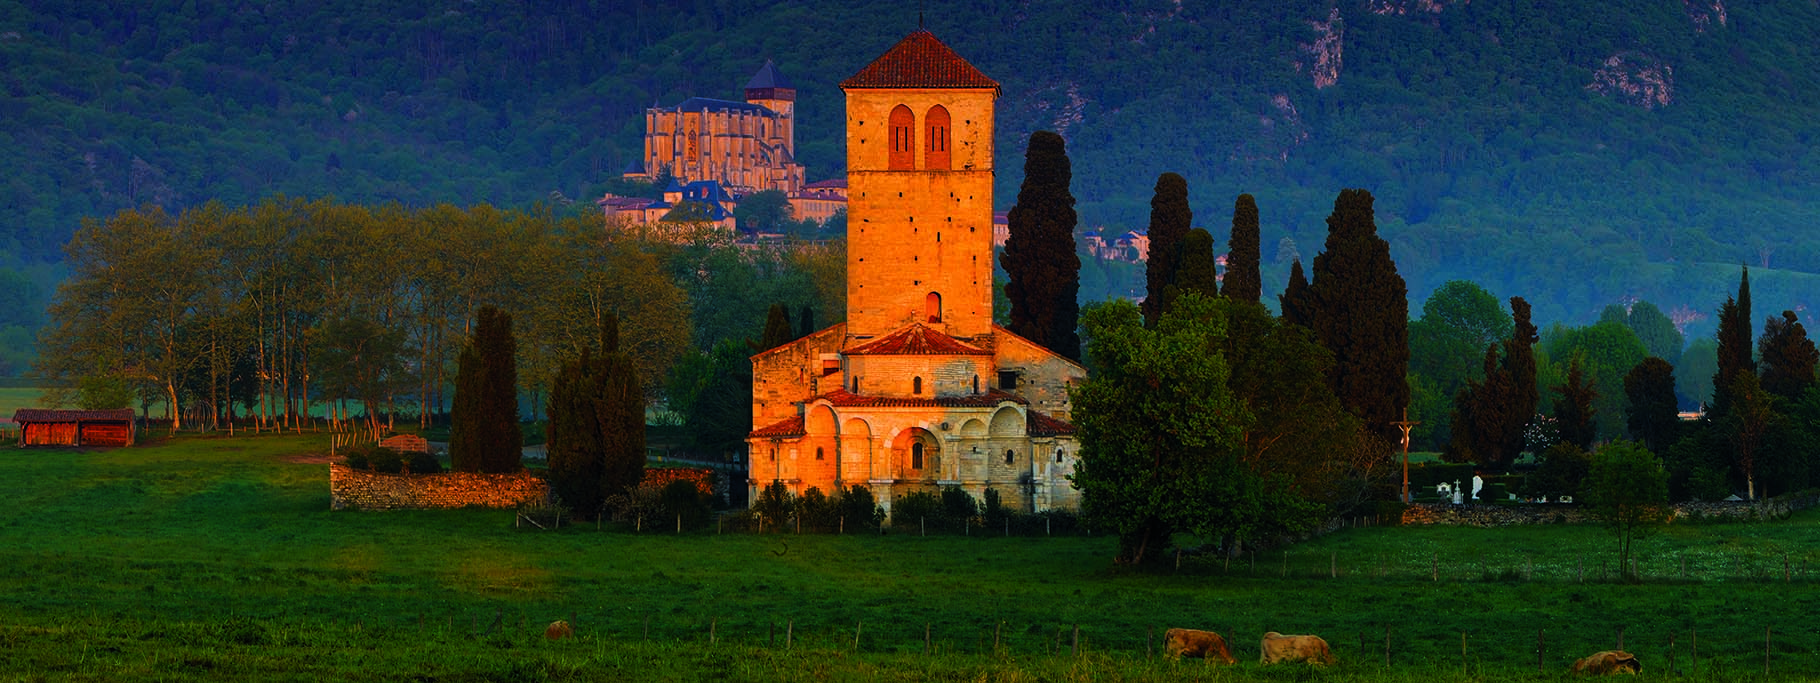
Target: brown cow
pixel 559 630
pixel 1277 647
pixel 1608 662
pixel 1187 642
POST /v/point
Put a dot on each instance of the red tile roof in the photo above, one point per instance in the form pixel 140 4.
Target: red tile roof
pixel 917 340
pixel 919 61
pixel 846 399
pixel 787 428
pixel 1043 425
pixel 24 415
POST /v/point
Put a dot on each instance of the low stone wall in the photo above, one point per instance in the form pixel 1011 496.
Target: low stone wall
pixel 1556 513
pixel 351 488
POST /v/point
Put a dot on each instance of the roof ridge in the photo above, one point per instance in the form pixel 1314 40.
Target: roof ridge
pixel 920 60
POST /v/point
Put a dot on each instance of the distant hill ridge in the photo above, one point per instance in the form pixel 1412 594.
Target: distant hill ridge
pixel 1571 152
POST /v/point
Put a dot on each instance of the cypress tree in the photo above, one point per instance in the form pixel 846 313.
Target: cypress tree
pixel 484 435
pixel 1491 413
pixel 1170 217
pixel 464 426
pixel 574 446
pixel 1244 277
pixel 1574 407
pixel 1734 346
pixel 805 321
pixel 1042 269
pixel 1520 362
pixel 1788 357
pixel 1297 309
pixel 1361 314
pixel 1652 415
pixel 778 330
pixel 597 427
pixel 1199 272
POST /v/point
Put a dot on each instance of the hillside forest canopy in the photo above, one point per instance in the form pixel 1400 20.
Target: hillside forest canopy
pixel 1584 155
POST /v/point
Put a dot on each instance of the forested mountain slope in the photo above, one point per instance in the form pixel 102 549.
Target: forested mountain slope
pixel 1576 153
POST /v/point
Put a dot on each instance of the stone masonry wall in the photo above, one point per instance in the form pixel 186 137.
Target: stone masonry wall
pixel 1500 515
pixel 351 488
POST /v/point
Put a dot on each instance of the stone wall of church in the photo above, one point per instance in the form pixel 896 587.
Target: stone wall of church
pixel 942 375
pixel 787 375
pixel 1043 376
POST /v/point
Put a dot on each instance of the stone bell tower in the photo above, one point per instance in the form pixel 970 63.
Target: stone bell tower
pixel 919 177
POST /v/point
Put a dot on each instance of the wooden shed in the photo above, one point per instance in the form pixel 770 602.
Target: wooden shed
pixel 38 427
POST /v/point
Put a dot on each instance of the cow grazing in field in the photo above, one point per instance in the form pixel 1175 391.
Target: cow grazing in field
pixel 1608 662
pixel 1187 642
pixel 1277 647
pixel 559 630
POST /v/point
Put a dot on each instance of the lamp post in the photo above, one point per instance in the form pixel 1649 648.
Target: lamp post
pixel 1405 425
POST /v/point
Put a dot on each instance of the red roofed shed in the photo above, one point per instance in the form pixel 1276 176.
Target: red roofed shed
pixel 38 427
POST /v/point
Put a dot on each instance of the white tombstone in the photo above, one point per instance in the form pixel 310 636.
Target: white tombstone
pixel 1477 484
pixel 1458 492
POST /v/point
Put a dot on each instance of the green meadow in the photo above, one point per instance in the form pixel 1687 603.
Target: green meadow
pixel 216 558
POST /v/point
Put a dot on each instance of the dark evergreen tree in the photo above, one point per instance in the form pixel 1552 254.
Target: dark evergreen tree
pixel 1361 314
pixel 464 425
pixel 1788 357
pixel 597 428
pixel 1491 413
pixel 1244 275
pixel 1653 413
pixel 805 322
pixel 778 330
pixel 1734 346
pixel 1297 309
pixel 574 443
pixel 1574 407
pixel 1198 271
pixel 1043 271
pixel 1170 217
pixel 484 434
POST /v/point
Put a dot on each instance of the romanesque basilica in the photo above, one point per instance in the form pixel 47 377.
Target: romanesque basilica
pixel 918 389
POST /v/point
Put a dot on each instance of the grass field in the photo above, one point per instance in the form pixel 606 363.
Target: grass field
pixel 218 559
pixel 14 398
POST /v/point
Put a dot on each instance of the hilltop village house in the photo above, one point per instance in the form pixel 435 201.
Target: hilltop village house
pixel 917 389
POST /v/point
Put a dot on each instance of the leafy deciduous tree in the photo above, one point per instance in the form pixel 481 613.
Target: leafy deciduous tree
pixel 1627 489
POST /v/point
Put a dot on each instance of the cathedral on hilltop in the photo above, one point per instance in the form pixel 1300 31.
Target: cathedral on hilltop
pixel 745 146
pixel 918 389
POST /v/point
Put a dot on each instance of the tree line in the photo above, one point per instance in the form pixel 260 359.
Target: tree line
pixel 269 309
pixel 1206 413
pixel 1203 412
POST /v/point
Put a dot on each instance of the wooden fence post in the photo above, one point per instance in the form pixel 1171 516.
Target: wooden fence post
pixel 926 638
pixel 1387 645
pixel 858 626
pixel 789 633
pixel 1075 646
pixel 1766 631
pixel 1541 646
pixel 712 623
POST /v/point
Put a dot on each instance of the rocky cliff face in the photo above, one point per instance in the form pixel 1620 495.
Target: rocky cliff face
pixel 1704 13
pixel 1635 78
pixel 1321 58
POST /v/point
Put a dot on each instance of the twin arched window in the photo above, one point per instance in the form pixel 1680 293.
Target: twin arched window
pixel 937 128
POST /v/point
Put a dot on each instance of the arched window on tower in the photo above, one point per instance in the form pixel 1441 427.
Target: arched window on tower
pixel 916 386
pixel 932 305
pixel 903 140
pixel 916 455
pixel 936 128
